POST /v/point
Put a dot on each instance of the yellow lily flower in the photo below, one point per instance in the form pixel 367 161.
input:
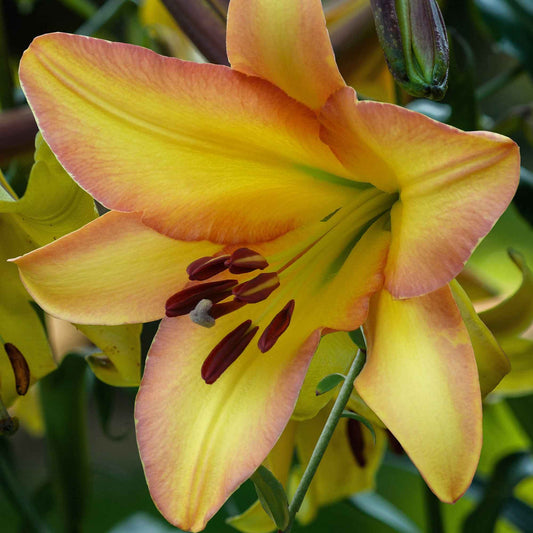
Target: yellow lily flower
pixel 52 206
pixel 356 212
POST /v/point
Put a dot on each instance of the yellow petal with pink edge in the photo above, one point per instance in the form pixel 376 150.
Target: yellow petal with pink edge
pixel 453 185
pixel 421 380
pixel 492 363
pixel 128 124
pixel 279 460
pixel 199 442
pixel 114 270
pixel 285 42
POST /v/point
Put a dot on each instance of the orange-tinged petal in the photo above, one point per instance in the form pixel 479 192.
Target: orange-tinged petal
pixel 279 460
pixel 453 185
pixel 285 42
pixel 128 124
pixel 114 270
pixel 492 363
pixel 421 380
pixel 199 442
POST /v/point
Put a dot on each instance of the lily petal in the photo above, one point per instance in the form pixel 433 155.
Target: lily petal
pixel 421 380
pixel 334 355
pixel 450 197
pixel 19 324
pixel 114 270
pixel 514 315
pixel 520 380
pixel 120 363
pixel 286 43
pixel 492 363
pixel 279 460
pixel 199 442
pixel 132 124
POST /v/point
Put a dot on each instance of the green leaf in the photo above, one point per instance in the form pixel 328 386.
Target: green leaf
pixel 362 419
pixel 508 472
pixel 64 402
pixel 379 508
pixel 105 400
pixel 358 338
pixel 329 383
pixel 272 496
pixel 511 24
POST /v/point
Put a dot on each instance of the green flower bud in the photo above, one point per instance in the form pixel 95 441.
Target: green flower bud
pixel 413 36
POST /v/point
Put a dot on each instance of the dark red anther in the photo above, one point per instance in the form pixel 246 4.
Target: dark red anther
pixel 257 289
pixel 245 260
pixel 357 441
pixel 183 302
pixel 224 308
pixel 274 330
pixel 207 267
pixel 227 351
pixel 20 368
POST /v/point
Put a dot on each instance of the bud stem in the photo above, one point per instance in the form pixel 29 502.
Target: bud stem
pixel 325 436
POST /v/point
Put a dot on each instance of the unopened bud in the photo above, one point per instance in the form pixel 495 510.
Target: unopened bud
pixel 413 36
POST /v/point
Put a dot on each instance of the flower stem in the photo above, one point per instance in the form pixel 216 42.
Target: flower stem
pixel 325 436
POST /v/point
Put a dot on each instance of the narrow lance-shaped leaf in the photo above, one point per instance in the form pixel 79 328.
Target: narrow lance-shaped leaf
pixel 272 496
pixel 329 383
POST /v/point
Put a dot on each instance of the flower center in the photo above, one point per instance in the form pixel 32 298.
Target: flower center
pixel 289 269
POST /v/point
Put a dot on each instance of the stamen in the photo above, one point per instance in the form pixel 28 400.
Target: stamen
pixel 227 351
pixel 224 308
pixel 274 330
pixel 183 302
pixel 207 267
pixel 20 368
pixel 257 289
pixel 245 260
pixel 357 441
pixel 200 314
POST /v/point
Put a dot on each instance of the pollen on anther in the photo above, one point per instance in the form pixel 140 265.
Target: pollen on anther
pixel 245 260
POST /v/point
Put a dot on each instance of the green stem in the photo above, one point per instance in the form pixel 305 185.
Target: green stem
pixel 325 436
pixel 499 82
pixel 433 512
pixel 19 500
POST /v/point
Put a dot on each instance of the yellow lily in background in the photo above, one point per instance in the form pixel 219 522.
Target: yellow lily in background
pixel 354 212
pixel 500 283
pixel 511 322
pixel 52 206
pixel 154 15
